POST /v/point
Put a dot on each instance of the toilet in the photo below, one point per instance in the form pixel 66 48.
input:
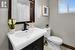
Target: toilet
pixel 52 41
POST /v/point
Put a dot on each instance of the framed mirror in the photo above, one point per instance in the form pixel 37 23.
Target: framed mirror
pixel 22 10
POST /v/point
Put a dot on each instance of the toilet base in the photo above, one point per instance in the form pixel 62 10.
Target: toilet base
pixel 53 46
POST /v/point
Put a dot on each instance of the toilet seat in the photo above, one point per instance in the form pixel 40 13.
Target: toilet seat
pixel 55 40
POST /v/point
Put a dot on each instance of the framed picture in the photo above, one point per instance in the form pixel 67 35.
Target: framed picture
pixel 45 11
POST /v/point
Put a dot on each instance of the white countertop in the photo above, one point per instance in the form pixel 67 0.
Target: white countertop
pixel 19 43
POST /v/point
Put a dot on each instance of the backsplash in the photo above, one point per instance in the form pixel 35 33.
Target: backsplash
pixel 20 26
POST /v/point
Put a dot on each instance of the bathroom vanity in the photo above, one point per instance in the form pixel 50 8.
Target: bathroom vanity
pixel 32 39
pixel 36 45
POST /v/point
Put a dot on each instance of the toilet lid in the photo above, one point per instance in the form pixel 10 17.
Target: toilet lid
pixel 55 39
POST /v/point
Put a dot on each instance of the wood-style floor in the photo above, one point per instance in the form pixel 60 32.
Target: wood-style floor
pixel 62 48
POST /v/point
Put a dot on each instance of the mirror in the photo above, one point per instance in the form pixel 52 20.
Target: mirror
pixel 22 10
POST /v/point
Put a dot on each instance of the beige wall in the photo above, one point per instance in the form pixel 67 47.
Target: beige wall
pixel 62 24
pixel 3 29
pixel 40 21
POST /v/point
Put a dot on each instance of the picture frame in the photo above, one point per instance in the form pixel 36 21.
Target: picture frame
pixel 45 11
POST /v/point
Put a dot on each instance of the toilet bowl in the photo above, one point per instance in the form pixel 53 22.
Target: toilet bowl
pixel 53 41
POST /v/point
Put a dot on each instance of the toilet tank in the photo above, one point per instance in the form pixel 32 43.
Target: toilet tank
pixel 48 32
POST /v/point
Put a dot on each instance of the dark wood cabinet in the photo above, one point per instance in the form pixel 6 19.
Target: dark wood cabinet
pixel 36 45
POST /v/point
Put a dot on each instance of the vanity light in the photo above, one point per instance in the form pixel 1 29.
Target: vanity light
pixel 3 4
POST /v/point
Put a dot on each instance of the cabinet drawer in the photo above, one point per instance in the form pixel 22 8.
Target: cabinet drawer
pixel 30 47
pixel 39 42
pixel 37 47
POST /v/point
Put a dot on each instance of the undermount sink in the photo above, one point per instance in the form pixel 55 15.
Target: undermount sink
pixel 25 34
pixel 21 34
pixel 20 39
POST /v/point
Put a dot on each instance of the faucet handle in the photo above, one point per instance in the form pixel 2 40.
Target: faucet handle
pixel 27 24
